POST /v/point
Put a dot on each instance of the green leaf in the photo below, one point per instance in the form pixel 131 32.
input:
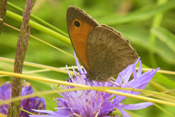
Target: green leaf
pixel 139 15
pixel 140 36
pixel 165 36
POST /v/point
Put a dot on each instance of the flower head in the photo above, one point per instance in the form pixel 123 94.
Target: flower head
pixel 26 104
pixel 91 103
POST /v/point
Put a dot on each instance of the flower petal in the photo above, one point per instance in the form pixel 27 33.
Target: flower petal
pixel 135 106
pixel 125 114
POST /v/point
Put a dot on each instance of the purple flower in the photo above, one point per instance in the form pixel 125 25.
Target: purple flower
pixel 26 104
pixel 91 103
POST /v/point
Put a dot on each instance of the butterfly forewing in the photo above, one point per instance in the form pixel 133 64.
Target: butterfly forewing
pixel 79 25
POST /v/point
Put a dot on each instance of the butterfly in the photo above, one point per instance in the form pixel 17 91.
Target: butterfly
pixel 102 51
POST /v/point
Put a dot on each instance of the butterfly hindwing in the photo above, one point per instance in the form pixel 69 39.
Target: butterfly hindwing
pixel 108 53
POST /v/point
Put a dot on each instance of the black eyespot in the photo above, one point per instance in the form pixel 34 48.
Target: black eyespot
pixel 77 24
pixel 100 39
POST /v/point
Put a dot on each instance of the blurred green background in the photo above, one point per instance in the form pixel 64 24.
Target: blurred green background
pixel 137 20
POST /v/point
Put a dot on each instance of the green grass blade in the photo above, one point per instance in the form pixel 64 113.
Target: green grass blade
pixel 37 19
pixel 40 28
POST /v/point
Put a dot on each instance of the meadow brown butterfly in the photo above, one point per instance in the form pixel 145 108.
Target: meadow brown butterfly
pixel 102 51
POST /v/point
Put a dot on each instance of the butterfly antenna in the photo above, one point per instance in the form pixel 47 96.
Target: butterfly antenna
pixel 114 83
pixel 83 91
pixel 125 82
pixel 58 85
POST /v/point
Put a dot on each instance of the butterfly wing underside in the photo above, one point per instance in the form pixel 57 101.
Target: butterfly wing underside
pixel 79 25
pixel 108 53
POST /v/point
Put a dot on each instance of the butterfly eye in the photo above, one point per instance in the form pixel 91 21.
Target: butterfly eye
pixel 77 24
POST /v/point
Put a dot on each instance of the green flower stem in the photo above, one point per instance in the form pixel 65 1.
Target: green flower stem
pixel 40 28
pixel 14 109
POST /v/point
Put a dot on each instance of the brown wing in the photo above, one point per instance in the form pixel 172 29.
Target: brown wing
pixel 79 25
pixel 108 53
